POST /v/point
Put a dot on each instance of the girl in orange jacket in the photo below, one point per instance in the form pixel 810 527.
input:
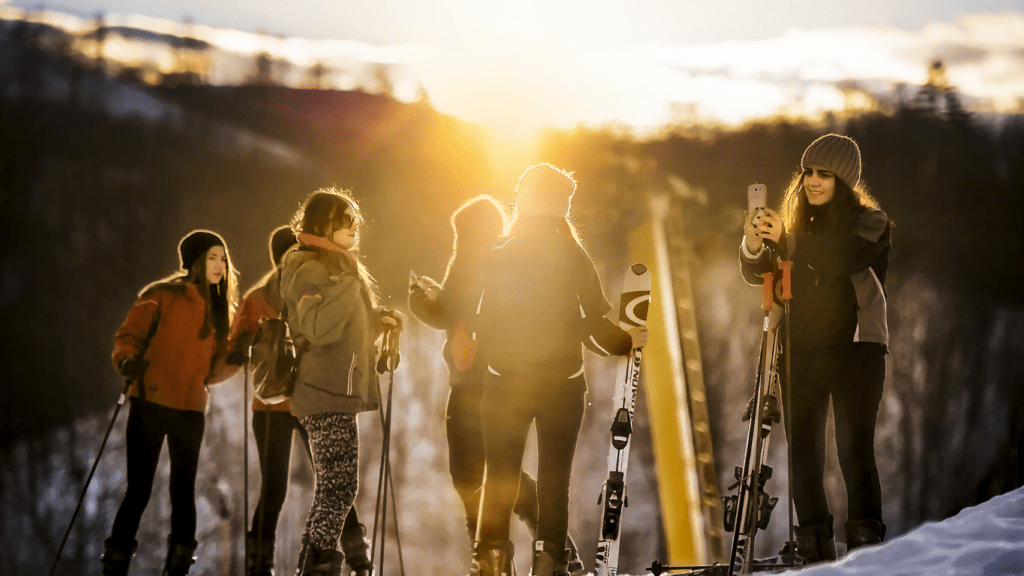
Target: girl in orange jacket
pixel 167 347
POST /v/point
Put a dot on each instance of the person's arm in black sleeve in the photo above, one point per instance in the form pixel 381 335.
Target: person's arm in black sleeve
pixel 843 255
pixel 431 312
pixel 600 334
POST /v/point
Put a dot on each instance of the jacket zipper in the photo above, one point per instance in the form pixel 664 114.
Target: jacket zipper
pixel 351 370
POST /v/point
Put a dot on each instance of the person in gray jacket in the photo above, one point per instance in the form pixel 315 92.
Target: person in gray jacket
pixel 838 240
pixel 332 311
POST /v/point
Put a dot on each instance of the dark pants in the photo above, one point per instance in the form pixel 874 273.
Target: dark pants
pixel 466 458
pixel 272 431
pixel 148 425
pixel 853 376
pixel 506 417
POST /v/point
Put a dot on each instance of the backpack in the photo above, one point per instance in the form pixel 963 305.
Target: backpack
pixel 274 359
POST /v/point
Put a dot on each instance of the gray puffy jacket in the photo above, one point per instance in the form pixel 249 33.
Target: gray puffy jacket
pixel 335 327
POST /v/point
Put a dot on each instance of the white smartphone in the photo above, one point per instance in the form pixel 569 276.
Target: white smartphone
pixel 757 199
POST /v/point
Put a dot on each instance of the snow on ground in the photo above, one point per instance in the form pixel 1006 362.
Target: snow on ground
pixel 985 540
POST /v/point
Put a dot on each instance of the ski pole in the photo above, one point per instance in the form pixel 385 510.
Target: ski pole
pixel 81 497
pixel 245 457
pixel 786 266
pixel 387 362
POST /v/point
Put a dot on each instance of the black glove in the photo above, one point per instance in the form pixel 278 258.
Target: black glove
pixel 129 366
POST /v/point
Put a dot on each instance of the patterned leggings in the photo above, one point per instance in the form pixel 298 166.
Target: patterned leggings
pixel 334 441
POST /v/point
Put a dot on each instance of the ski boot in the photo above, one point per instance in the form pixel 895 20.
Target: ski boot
pixel 863 532
pixel 117 558
pixel 497 558
pixel 788 555
pixel 259 556
pixel 549 559
pixel 180 558
pixel 316 562
pixel 356 550
pixel 816 543
pixel 526 509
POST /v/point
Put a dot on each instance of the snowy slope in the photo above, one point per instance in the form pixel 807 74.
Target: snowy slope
pixel 985 540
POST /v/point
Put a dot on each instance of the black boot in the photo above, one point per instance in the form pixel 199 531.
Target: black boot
pixel 357 551
pixel 497 558
pixel 816 543
pixel 316 562
pixel 117 558
pixel 863 532
pixel 259 556
pixel 180 558
pixel 549 559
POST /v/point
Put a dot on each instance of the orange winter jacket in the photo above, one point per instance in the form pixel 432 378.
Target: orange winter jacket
pixel 178 363
pixel 258 304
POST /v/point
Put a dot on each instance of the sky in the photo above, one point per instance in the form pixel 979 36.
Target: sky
pixel 518 65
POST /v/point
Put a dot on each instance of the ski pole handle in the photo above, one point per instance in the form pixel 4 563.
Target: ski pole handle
pixel 786 266
pixel 769 291
pixel 389 355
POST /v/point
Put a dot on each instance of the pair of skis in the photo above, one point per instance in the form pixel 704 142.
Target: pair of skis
pixel 750 508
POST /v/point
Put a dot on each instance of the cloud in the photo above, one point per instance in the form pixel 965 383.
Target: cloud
pixel 562 80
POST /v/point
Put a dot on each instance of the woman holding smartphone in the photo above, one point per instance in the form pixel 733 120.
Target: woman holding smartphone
pixel 478 225
pixel 838 240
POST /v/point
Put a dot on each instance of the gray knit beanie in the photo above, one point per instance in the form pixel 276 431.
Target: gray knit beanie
pixel 838 154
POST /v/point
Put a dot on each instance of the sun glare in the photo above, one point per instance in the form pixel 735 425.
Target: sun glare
pixel 522 65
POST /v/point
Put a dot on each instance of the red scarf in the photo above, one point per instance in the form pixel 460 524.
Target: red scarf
pixel 321 242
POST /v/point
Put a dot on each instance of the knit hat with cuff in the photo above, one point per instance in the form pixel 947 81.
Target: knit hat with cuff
pixel 838 154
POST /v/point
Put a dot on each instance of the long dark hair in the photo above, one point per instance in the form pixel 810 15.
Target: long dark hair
pixel 846 205
pixel 221 299
pixel 321 214
pixel 478 225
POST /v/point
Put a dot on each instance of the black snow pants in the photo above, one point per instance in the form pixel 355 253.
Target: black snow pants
pixel 506 415
pixel 148 425
pixel 853 376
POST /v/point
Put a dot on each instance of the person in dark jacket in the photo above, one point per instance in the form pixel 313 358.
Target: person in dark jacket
pixel 838 240
pixel 168 347
pixel 334 317
pixel 478 225
pixel 272 427
pixel 541 303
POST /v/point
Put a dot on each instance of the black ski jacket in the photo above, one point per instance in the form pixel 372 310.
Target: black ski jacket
pixel 838 279
pixel 542 302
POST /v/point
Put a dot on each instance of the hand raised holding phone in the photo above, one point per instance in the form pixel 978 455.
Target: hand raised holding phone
pixel 761 223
